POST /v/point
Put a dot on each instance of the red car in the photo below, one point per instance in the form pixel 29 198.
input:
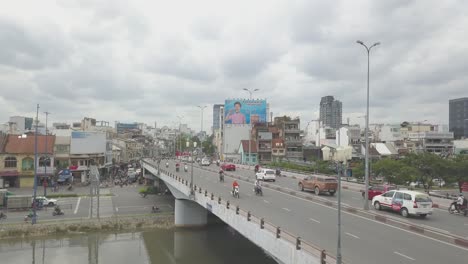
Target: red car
pixel 228 167
pixel 378 190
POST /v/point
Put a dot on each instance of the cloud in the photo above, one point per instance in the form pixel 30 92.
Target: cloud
pixel 149 61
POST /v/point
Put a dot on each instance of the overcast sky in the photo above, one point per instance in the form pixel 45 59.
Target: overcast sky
pixel 150 61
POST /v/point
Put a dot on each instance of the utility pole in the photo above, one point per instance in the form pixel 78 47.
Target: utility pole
pixel 201 127
pixel 34 218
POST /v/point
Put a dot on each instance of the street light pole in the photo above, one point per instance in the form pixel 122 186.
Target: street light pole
pixel 250 120
pixel 34 217
pixel 366 194
pixel 47 159
pixel 338 248
pixel 201 126
pixel 180 134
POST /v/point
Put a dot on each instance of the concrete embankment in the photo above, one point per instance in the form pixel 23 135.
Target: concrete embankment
pixel 80 226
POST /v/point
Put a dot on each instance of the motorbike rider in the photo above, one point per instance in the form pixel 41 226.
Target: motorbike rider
pixel 257 168
pixel 221 175
pixel 57 209
pixel 2 215
pixel 460 201
pixel 167 164
pixel 257 186
pixel 185 167
pixel 234 185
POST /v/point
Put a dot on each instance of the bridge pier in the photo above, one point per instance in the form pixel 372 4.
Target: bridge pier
pixel 189 214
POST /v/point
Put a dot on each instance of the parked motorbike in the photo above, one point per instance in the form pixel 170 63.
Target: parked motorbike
pixel 258 190
pixel 60 212
pixel 459 209
pixel 235 192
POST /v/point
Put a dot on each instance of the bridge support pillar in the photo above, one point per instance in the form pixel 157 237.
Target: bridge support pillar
pixel 189 214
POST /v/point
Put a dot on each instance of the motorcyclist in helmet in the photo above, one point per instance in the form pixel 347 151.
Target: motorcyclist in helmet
pixel 460 201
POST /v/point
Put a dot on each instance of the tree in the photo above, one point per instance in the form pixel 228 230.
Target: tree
pixel 429 167
pixel 395 171
pixel 458 170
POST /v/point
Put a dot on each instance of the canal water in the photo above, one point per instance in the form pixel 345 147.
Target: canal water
pixel 213 245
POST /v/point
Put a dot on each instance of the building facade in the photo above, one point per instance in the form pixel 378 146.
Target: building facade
pixel 216 117
pixel 458 117
pixel 331 112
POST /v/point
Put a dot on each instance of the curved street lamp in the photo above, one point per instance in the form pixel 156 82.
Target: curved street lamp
pixel 366 194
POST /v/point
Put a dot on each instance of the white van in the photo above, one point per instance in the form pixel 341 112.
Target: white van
pixel 405 202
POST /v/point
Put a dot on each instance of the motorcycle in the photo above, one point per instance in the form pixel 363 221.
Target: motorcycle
pixel 167 165
pixel 185 168
pixel 154 209
pixel 28 216
pixel 2 216
pixel 235 192
pixel 258 190
pixel 459 209
pixel 278 172
pixel 221 177
pixel 57 212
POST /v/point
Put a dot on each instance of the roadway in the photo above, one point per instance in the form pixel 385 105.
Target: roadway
pixel 123 201
pixel 439 220
pixel 363 240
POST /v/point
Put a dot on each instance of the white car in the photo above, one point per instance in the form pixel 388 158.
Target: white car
pixel 205 162
pixel 47 201
pixel 405 202
pixel 266 175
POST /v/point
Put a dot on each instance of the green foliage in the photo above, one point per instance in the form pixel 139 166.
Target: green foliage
pixel 458 170
pixel 395 171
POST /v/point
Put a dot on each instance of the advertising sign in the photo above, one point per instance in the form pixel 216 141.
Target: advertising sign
pixel 245 111
pixel 88 142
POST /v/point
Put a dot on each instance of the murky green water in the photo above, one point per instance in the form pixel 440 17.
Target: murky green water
pixel 212 245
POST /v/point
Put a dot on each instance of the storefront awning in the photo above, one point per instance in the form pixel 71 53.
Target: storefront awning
pixel 8 173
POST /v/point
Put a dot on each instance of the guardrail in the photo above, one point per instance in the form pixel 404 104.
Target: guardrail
pixel 300 244
pixel 427 231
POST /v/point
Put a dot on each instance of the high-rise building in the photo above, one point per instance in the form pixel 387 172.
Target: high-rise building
pixel 458 117
pixel 331 112
pixel 216 111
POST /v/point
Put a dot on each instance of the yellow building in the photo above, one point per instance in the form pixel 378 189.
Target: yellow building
pixel 17 160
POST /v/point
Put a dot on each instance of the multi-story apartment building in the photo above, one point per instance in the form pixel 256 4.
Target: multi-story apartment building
pixel 331 112
pixel 216 117
pixel 458 117
pixel 292 137
pixel 432 141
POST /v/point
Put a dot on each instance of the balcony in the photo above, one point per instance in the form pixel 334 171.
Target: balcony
pixel 264 150
pixel 292 130
pixel 290 141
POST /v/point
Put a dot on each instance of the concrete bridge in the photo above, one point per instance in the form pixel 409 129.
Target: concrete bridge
pixel 368 237
pixel 193 205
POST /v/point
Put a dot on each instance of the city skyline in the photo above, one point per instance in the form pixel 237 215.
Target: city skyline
pixel 81 59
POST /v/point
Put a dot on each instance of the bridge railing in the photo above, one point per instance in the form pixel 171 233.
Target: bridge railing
pixel 325 257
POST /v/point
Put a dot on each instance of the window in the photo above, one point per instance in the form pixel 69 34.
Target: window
pixel 407 197
pixel 62 148
pixel 398 196
pixel 27 164
pixel 388 194
pixel 44 162
pixel 10 162
pixel 422 198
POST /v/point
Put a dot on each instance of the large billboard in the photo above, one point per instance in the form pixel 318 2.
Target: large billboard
pixel 245 111
pixel 88 142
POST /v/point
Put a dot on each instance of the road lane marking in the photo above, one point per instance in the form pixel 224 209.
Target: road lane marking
pixel 364 218
pixel 77 205
pixel 398 253
pixel 266 201
pixel 286 209
pixel 351 235
pixel 313 220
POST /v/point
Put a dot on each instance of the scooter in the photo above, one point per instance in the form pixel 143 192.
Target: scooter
pixel 167 165
pixel 154 209
pixel 461 210
pixel 278 172
pixel 2 216
pixel 235 192
pixel 185 168
pixel 258 190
